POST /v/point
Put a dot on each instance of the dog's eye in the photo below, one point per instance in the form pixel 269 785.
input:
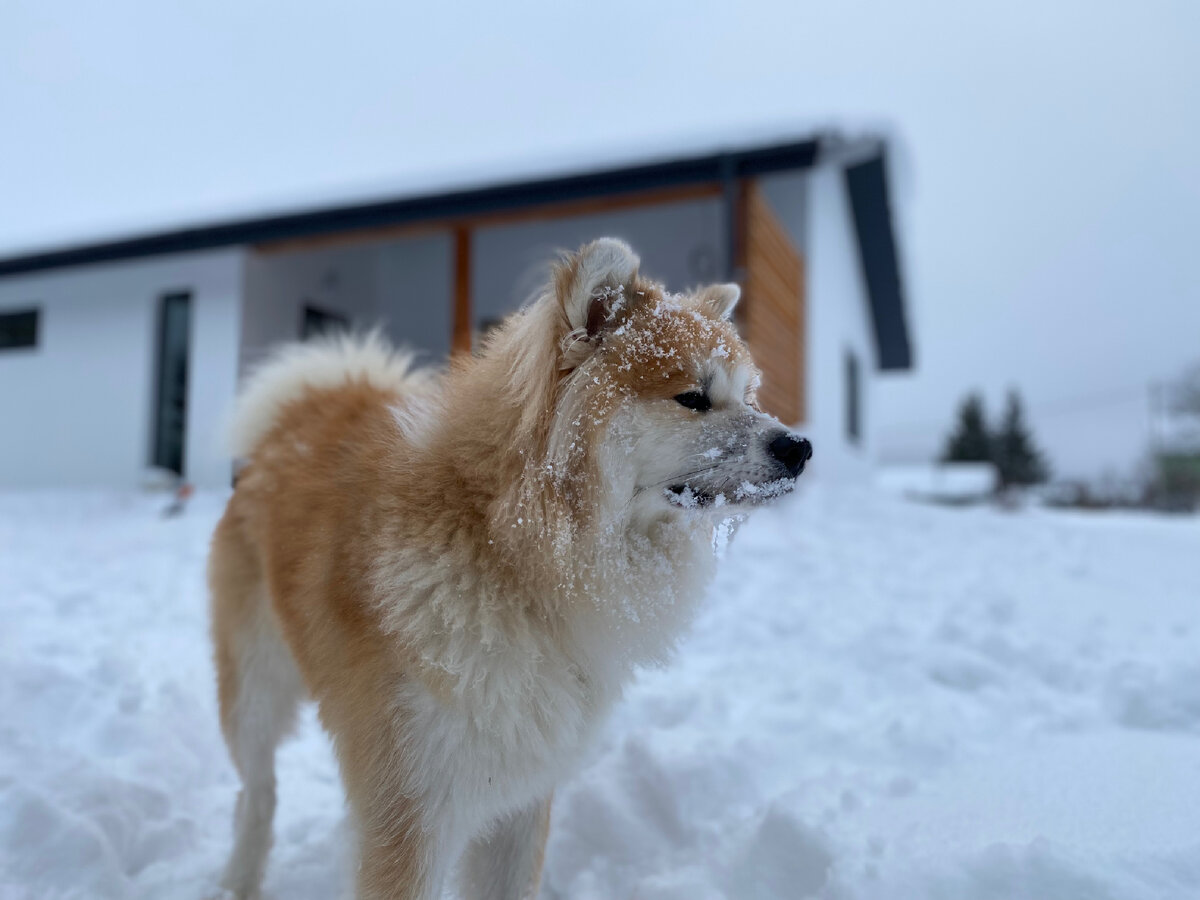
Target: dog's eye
pixel 697 400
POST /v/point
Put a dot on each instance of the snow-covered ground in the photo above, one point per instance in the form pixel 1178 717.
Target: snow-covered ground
pixel 879 700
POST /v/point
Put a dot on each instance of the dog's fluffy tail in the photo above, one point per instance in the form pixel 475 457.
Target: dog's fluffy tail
pixel 322 363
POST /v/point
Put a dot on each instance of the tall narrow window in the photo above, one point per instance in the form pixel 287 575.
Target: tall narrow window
pixel 171 381
pixel 18 330
pixel 853 399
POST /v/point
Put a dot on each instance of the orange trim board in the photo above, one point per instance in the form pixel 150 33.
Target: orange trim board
pixel 461 335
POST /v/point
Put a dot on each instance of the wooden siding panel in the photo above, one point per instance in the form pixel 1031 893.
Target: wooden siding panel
pixel 773 312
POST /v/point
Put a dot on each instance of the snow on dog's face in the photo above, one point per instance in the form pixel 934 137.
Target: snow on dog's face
pixel 661 391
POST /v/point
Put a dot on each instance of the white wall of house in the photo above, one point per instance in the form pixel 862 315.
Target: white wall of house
pixel 78 409
pixel 402 287
pixel 680 244
pixel 815 210
pixel 839 323
pixel 213 378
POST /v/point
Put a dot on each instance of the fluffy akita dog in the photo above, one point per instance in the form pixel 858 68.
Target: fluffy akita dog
pixel 464 570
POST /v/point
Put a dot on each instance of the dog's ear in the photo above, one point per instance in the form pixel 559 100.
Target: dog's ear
pixel 718 300
pixel 591 284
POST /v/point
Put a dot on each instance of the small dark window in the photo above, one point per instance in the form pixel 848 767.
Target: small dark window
pixel 322 321
pixel 853 399
pixel 19 329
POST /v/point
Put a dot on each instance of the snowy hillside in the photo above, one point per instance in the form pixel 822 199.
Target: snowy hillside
pixel 880 700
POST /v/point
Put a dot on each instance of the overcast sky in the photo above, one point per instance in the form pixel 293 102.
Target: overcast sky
pixel 1048 173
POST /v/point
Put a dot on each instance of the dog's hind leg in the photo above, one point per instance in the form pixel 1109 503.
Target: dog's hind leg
pixel 505 863
pixel 259 689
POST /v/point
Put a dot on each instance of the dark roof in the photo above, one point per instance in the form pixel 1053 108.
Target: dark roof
pixel 448 205
pixel 866 182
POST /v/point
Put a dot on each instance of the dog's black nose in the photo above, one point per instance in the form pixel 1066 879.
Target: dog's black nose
pixel 793 452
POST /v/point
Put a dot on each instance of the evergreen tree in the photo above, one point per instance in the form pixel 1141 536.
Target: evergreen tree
pixel 970 441
pixel 1013 450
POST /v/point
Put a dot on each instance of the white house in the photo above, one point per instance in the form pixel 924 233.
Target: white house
pixel 124 355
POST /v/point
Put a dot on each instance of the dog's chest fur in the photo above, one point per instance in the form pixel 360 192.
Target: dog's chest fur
pixel 511 679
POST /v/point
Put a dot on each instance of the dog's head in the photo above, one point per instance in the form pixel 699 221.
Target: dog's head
pixel 657 392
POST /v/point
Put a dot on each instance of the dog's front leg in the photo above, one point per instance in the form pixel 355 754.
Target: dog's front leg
pixel 405 844
pixel 398 861
pixel 505 863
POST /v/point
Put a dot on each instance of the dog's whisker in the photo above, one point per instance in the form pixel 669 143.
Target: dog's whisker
pixel 677 479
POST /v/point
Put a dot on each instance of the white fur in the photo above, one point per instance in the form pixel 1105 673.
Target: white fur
pixel 502 861
pixel 606 262
pixel 322 362
pixel 526 705
pixel 720 299
pixel 415 417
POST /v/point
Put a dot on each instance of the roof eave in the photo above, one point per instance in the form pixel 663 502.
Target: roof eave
pixel 451 205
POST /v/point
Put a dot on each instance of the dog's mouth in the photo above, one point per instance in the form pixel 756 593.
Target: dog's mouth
pixel 747 493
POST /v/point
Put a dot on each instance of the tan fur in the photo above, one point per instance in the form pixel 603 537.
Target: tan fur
pixel 308 527
pixel 438 567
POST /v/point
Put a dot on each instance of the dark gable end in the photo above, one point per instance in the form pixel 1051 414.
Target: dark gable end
pixel 870 203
